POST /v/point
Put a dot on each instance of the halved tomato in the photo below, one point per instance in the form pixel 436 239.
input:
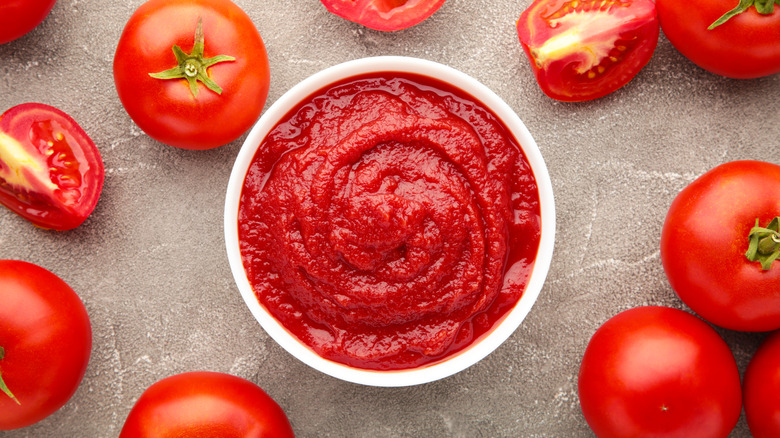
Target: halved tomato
pixel 583 50
pixel 51 172
pixel 386 15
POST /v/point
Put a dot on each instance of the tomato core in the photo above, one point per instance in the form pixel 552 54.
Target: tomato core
pixel 18 168
pixel 59 174
pixel 589 35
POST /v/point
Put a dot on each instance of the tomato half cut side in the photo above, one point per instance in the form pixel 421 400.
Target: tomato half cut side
pixel 51 173
pixel 583 50
pixel 384 15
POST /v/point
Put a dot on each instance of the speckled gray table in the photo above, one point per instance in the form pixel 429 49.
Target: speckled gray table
pixel 151 267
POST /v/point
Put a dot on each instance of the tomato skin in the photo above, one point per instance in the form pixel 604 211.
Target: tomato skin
pixel 704 239
pixel 746 46
pixel 165 108
pixel 761 387
pixel 584 50
pixel 384 15
pixel 51 173
pixel 47 337
pixel 659 371
pixel 18 17
pixel 204 403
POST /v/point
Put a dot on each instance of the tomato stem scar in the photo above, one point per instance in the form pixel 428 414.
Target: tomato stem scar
pixel 764 7
pixel 3 386
pixel 764 246
pixel 193 67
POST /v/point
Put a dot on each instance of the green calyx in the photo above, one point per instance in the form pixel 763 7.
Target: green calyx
pixel 764 7
pixel 764 244
pixel 193 67
pixel 3 386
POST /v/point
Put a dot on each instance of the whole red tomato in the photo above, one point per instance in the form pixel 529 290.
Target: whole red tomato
pixel 761 387
pixel 45 343
pixel 203 403
pixel 51 172
pixel 385 15
pixel 705 238
pixel 584 50
pixel 192 73
pixel 746 45
pixel 662 372
pixel 18 17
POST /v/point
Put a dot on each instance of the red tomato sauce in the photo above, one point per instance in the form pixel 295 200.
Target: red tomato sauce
pixel 389 221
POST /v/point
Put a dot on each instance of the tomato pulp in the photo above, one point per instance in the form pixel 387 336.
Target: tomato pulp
pixel 384 15
pixel 389 221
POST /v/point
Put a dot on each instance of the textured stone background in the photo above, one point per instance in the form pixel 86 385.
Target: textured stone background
pixel 150 262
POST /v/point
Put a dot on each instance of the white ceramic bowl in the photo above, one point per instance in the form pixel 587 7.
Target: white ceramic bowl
pixel 471 354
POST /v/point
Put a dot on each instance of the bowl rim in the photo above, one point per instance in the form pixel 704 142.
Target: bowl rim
pixel 473 353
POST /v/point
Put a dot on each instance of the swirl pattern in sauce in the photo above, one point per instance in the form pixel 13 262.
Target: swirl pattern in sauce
pixel 389 221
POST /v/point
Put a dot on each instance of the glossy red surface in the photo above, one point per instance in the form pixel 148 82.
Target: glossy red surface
pixel 389 221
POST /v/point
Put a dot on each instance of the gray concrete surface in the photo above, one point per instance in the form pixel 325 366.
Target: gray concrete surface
pixel 150 262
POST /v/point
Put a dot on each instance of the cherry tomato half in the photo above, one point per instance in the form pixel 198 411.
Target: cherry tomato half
pixel 659 371
pixel 45 343
pixel 203 403
pixel 761 387
pixel 18 17
pixel 704 240
pixel 583 50
pixel 51 172
pixel 745 46
pixel 385 15
pixel 192 73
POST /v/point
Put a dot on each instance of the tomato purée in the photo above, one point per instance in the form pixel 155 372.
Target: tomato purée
pixel 389 221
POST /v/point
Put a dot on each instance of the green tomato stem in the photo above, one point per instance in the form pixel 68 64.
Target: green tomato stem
pixel 3 386
pixel 764 245
pixel 193 67
pixel 764 7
